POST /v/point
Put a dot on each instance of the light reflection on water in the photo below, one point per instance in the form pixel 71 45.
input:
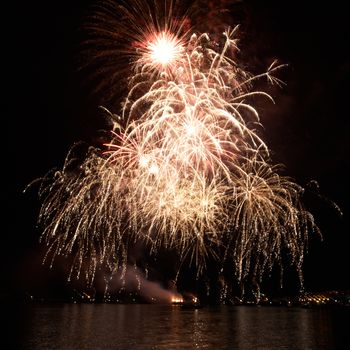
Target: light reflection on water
pixel 112 326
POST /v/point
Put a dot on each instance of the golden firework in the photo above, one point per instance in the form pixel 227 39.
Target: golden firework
pixel 185 168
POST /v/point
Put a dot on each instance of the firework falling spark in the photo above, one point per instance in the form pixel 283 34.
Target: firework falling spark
pixel 185 169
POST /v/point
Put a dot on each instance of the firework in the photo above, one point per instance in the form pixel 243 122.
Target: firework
pixel 185 168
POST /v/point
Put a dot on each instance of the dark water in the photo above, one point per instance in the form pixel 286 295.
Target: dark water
pixel 105 326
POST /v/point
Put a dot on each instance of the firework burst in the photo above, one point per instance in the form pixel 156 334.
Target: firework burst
pixel 185 168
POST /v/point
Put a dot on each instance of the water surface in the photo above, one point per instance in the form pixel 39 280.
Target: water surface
pixel 113 326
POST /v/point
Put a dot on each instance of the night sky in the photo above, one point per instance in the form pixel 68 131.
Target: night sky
pixel 48 106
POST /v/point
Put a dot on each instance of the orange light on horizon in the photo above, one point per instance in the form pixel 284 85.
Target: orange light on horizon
pixel 177 299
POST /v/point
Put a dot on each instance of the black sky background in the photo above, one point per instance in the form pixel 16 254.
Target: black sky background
pixel 47 107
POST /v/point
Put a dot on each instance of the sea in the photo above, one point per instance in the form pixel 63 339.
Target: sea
pixel 142 326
